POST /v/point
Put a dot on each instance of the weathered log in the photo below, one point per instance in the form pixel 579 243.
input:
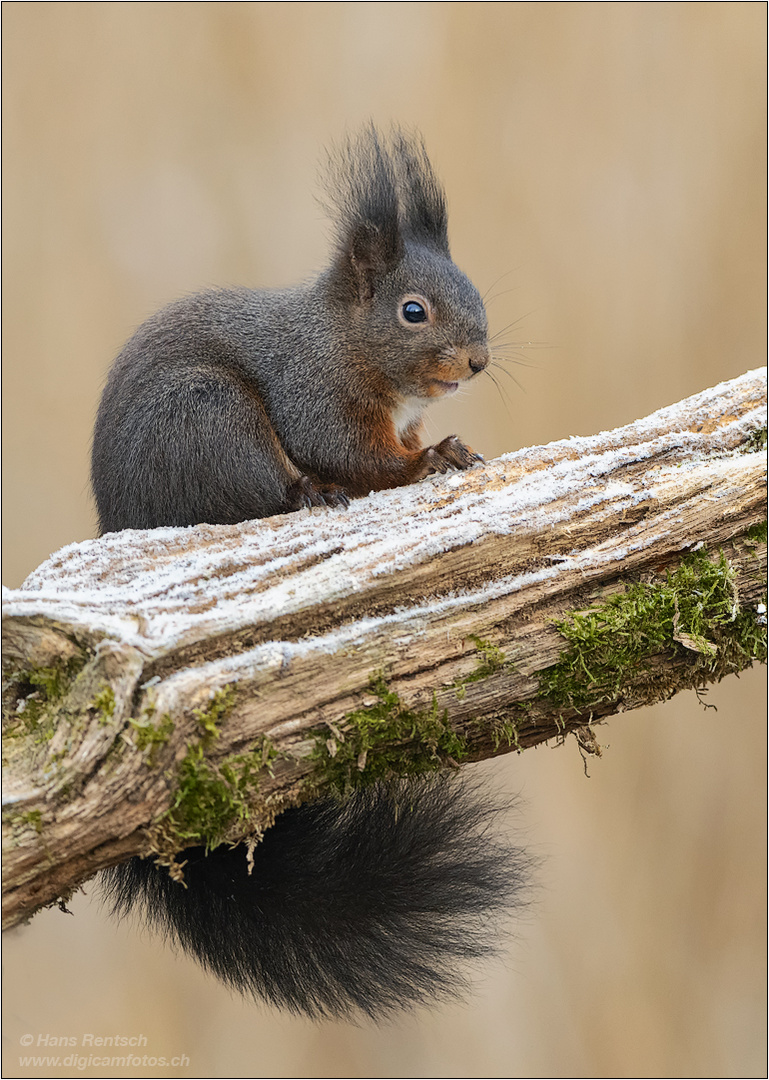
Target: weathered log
pixel 181 686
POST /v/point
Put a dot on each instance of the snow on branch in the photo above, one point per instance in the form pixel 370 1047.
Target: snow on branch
pixel 179 686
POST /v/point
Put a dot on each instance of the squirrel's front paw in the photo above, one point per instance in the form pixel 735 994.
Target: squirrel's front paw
pixel 308 492
pixel 449 454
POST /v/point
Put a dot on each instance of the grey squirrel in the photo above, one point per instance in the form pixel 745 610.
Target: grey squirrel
pixel 239 404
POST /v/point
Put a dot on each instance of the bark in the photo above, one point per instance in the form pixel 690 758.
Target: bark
pixel 184 685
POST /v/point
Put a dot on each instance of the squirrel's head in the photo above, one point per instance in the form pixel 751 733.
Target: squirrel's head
pixel 407 308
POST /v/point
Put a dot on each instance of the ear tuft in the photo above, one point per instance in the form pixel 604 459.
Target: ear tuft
pixel 422 200
pixel 382 193
pixel 361 189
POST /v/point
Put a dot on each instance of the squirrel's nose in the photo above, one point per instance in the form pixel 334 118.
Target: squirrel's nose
pixel 478 359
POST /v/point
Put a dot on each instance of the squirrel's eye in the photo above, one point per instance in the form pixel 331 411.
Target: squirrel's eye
pixel 413 312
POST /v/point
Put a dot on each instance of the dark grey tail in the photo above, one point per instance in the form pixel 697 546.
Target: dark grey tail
pixel 372 905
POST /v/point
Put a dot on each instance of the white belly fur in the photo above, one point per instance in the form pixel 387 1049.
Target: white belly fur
pixel 407 415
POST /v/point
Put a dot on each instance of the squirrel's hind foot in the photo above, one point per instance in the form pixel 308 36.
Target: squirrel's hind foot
pixel 306 492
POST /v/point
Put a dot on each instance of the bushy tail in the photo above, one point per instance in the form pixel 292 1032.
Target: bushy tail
pixel 374 905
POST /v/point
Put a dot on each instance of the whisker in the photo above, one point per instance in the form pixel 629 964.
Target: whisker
pixel 504 292
pixel 509 374
pixel 497 281
pixel 513 323
pixel 524 345
pixel 502 397
pixel 519 361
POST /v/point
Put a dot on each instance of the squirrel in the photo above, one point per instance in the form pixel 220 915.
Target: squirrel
pixel 238 404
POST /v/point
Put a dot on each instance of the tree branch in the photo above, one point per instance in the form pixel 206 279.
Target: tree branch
pixel 182 686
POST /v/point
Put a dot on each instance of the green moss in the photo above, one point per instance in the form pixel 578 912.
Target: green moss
pixel 53 681
pixel 211 798
pixel 204 806
pixel 149 736
pixel 20 819
pixel 508 730
pixel 756 534
pixel 693 612
pixel 104 703
pixel 34 818
pixel 490 660
pixel 385 740
pixel 32 719
pixel 756 441
pixel 209 719
pixel 40 691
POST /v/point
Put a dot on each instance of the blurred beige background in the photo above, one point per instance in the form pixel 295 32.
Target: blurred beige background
pixel 605 168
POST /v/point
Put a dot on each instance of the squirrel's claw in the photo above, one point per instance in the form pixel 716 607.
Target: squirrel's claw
pixel 306 493
pixel 450 454
pixel 336 496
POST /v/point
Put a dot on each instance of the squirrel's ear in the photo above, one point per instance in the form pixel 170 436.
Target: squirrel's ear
pixel 362 196
pixel 372 250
